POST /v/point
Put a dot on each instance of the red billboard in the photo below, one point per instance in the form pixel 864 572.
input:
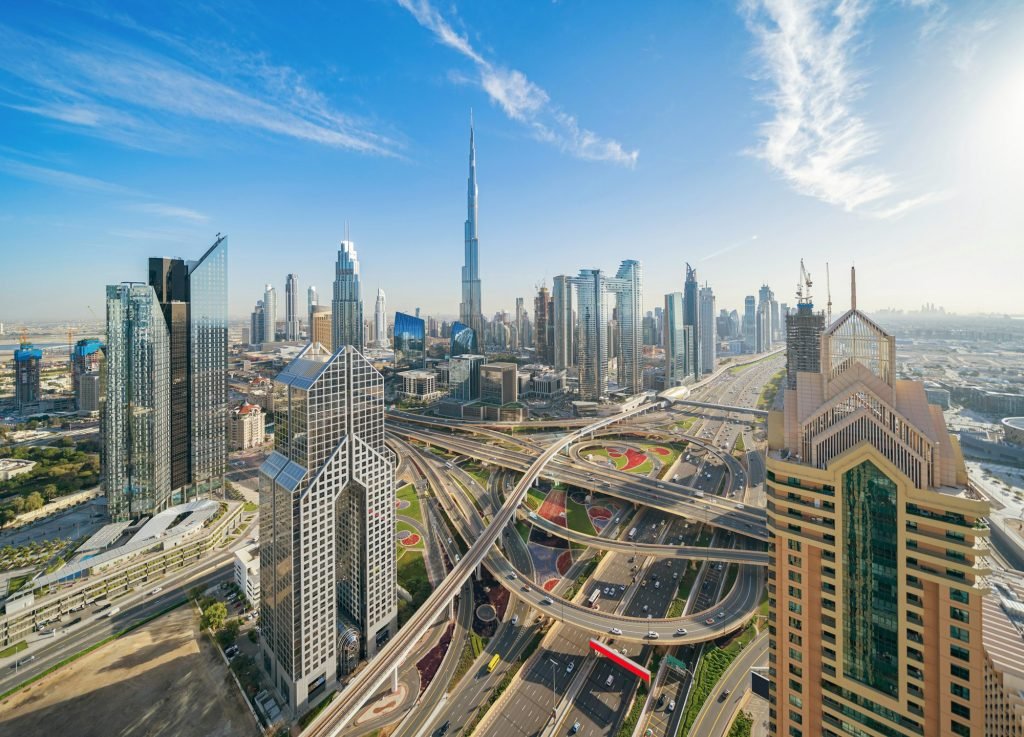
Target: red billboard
pixel 631 665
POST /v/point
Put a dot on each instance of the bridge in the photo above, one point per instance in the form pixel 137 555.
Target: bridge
pixel 722 407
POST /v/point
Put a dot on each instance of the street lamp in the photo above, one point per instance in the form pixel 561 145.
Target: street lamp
pixel 554 689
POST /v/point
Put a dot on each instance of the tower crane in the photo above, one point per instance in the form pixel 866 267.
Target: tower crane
pixel 803 286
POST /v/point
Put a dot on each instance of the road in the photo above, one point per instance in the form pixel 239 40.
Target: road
pixel 716 716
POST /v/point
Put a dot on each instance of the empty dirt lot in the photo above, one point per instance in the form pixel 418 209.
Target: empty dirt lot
pixel 159 680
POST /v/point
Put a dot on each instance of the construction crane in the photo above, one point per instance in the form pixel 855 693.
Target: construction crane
pixel 828 287
pixel 803 287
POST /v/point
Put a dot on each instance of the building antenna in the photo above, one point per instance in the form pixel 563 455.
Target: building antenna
pixel 853 287
pixel 828 287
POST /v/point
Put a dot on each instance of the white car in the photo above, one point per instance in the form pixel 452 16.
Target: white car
pixel 615 631
pixel 157 590
pixel 652 635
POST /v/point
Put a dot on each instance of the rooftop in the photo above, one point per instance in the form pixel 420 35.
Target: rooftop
pixel 1017 423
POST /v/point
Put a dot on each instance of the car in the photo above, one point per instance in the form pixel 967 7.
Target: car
pixel 709 620
pixel 645 607
pixel 657 584
pixel 675 575
pixel 622 587
pixel 721 615
pixel 571 667
pixel 724 695
pixel 671 706
pixel 524 587
pixel 547 600
pixel 680 632
pixel 24 661
pixel 443 729
pixel 574 728
pixel 615 631
pixel 652 635
pixel 157 590
pixel 515 619
pixel 609 680
pixel 512 576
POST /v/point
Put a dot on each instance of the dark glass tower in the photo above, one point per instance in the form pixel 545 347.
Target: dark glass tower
pixel 691 317
pixel 193 300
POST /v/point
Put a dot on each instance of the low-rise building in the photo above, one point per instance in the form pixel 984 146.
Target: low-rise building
pixel 498 383
pixel 11 467
pixel 1003 637
pixel 420 385
pixel 245 426
pixel 247 574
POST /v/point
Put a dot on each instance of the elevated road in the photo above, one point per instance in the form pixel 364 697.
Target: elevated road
pixel 728 615
pixel 374 674
pixel 667 496
pixel 727 555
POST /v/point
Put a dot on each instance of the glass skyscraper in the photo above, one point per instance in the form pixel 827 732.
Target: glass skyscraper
pixel 628 288
pixel 347 305
pixel 291 307
pixel 691 317
pixel 678 338
pixel 464 340
pixel 137 419
pixel 410 341
pixel 327 521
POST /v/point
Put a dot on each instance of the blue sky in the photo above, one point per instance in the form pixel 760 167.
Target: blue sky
pixel 738 136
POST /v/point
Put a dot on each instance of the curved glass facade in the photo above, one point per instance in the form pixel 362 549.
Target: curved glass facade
pixel 410 341
pixel 464 340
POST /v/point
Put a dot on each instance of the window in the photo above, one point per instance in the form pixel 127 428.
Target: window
pixel 795 577
pixel 960 672
pixel 959 633
pixel 957 595
pixel 959 614
pixel 959 652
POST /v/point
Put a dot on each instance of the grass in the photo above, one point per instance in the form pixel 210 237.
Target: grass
pixel 581 579
pixel 14 649
pixel 711 668
pixel 306 719
pixel 16 583
pixel 412 576
pixel 250 507
pixel 767 398
pixel 578 518
pixel 477 644
pixel 739 443
pixel 466 659
pixel 408 494
pixel 686 423
pixel 741 726
pixel 534 498
pixel 675 609
pixel 524 531
pixel 101 643
pixel 730 576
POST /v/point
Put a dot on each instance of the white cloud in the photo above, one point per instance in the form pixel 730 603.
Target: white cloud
pixel 58 178
pixel 966 42
pixel 112 89
pixel 522 100
pixel 816 140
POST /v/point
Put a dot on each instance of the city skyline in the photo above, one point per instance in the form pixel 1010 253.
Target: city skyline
pixel 567 178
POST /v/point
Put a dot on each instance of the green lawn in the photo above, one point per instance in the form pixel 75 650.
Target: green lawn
pixel 770 389
pixel 13 649
pixel 408 493
pixel 524 530
pixel 534 498
pixel 686 423
pixel 412 576
pixel 739 443
pixel 643 469
pixel 250 507
pixel 711 668
pixel 578 518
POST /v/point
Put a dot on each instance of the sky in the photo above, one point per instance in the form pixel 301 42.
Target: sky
pixel 737 136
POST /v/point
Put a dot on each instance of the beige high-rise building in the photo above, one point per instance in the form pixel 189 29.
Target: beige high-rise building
pixel 875 579
pixel 246 426
pixel 320 329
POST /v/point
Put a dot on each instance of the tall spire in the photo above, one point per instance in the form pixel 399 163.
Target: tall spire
pixel 853 287
pixel 470 312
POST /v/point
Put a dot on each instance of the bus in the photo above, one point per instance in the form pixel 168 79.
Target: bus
pixel 494 663
pixel 592 601
pixel 632 534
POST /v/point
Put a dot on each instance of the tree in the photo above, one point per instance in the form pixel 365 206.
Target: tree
pixel 229 634
pixel 49 492
pixel 7 515
pixel 195 592
pixel 214 616
pixel 33 501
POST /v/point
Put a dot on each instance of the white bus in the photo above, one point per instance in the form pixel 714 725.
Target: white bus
pixel 632 534
pixel 592 601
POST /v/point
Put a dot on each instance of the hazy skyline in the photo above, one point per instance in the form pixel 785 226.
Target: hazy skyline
pixel 737 136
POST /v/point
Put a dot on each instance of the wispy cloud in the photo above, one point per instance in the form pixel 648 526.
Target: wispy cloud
pixel 967 41
pixel 65 179
pixel 169 211
pixel 118 91
pixel 731 247
pixel 78 182
pixel 816 141
pixel 522 100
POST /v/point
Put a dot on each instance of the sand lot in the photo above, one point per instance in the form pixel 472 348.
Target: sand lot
pixel 159 680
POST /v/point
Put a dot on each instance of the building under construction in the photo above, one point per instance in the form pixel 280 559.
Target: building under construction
pixel 26 374
pixel 803 333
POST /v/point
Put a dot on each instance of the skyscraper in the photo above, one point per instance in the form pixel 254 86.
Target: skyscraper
pixel 708 330
pixel 470 311
pixel 193 300
pixel 27 374
pixel 592 348
pixel 380 320
pixel 803 334
pixel 291 307
pixel 269 314
pixel 257 323
pixel 876 556
pixel 628 289
pixel 678 337
pixel 691 317
pixel 463 340
pixel 750 324
pixel 543 327
pixel 347 305
pixel 137 412
pixel 410 341
pixel 767 318
pixel 563 333
pixel 327 521
pixel 312 300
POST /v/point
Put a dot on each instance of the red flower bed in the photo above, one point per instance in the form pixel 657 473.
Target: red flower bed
pixel 550 584
pixel 600 513
pixel 634 459
pixel 410 540
pixel 564 561
pixel 553 508
pixel 661 451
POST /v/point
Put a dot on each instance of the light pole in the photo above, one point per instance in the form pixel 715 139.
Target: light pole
pixel 554 689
